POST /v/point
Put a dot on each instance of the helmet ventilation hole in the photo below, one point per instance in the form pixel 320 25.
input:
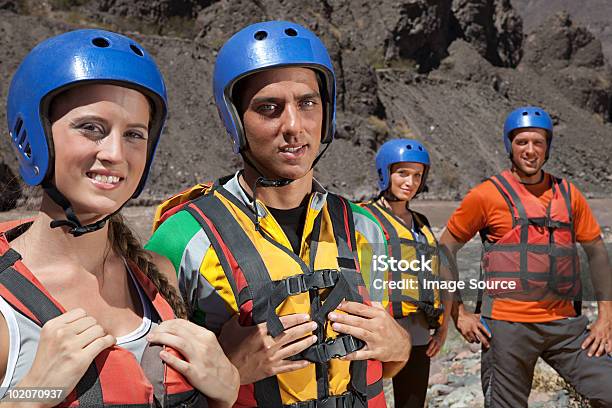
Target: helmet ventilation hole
pixel 27 151
pixel 137 50
pixel 409 147
pixel 17 130
pixel 22 138
pixel 100 42
pixel 525 113
pixel 420 148
pixel 290 32
pixel 260 35
pixel 537 113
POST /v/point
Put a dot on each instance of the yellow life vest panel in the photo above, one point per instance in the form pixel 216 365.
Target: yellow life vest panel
pixel 419 287
pixel 268 280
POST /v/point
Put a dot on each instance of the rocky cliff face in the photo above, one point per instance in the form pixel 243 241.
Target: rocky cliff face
pixel 592 14
pixel 573 58
pixel 443 71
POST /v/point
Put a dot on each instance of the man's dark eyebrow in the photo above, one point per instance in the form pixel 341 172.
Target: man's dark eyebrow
pixel 264 99
pixel 311 95
pixel 138 125
pixel 270 99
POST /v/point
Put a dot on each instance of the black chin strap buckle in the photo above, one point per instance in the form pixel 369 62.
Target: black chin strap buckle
pixel 266 182
pixel 76 229
pixel 72 221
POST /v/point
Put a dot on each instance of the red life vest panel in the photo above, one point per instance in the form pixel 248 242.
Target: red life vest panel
pixel 115 378
pixel 539 253
pixel 258 297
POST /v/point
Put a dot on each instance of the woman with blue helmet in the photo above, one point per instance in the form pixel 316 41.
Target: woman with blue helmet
pixel 83 307
pixel 402 166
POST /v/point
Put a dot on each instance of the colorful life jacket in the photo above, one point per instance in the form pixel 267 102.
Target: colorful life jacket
pixel 268 280
pixel 115 378
pixel 539 252
pixel 403 245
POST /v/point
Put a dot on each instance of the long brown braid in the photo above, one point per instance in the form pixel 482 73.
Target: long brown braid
pixel 127 245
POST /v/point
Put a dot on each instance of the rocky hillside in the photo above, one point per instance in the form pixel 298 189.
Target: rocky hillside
pixel 443 71
pixel 595 15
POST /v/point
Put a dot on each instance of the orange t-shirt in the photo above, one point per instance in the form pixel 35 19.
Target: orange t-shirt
pixel 484 207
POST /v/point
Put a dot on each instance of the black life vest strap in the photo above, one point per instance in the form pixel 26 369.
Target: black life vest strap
pixel 331 348
pixel 343 225
pixel 267 294
pixel 89 389
pixel 346 400
pixel 349 399
pixel 293 285
pixel 567 196
pixel 244 252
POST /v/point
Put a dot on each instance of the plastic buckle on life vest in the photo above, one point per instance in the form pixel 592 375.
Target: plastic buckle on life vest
pixel 328 278
pixel 342 345
pixel 331 348
pixel 295 285
pixel 351 344
pixel 335 401
pixel 330 402
pixel 555 224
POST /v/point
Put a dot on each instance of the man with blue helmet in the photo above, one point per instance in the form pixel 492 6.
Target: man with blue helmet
pixel 84 309
pixel 402 166
pixel 268 247
pixel 530 223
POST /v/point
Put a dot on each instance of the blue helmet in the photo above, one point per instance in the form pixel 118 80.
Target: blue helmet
pixel 67 60
pixel 271 44
pixel 400 150
pixel 526 117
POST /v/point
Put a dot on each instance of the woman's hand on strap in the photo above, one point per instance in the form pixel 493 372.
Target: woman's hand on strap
pixel 68 345
pixel 202 362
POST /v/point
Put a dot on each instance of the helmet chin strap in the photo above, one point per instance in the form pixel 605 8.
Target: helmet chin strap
pixel 269 182
pixel 76 229
pixel 388 195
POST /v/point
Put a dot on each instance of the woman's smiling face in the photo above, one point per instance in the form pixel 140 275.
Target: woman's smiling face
pixel 406 178
pixel 100 134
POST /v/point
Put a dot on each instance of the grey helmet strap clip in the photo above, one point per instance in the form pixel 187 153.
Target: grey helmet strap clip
pixel 268 182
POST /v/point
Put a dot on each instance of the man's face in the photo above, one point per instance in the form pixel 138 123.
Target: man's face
pixel 283 120
pixel 529 150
